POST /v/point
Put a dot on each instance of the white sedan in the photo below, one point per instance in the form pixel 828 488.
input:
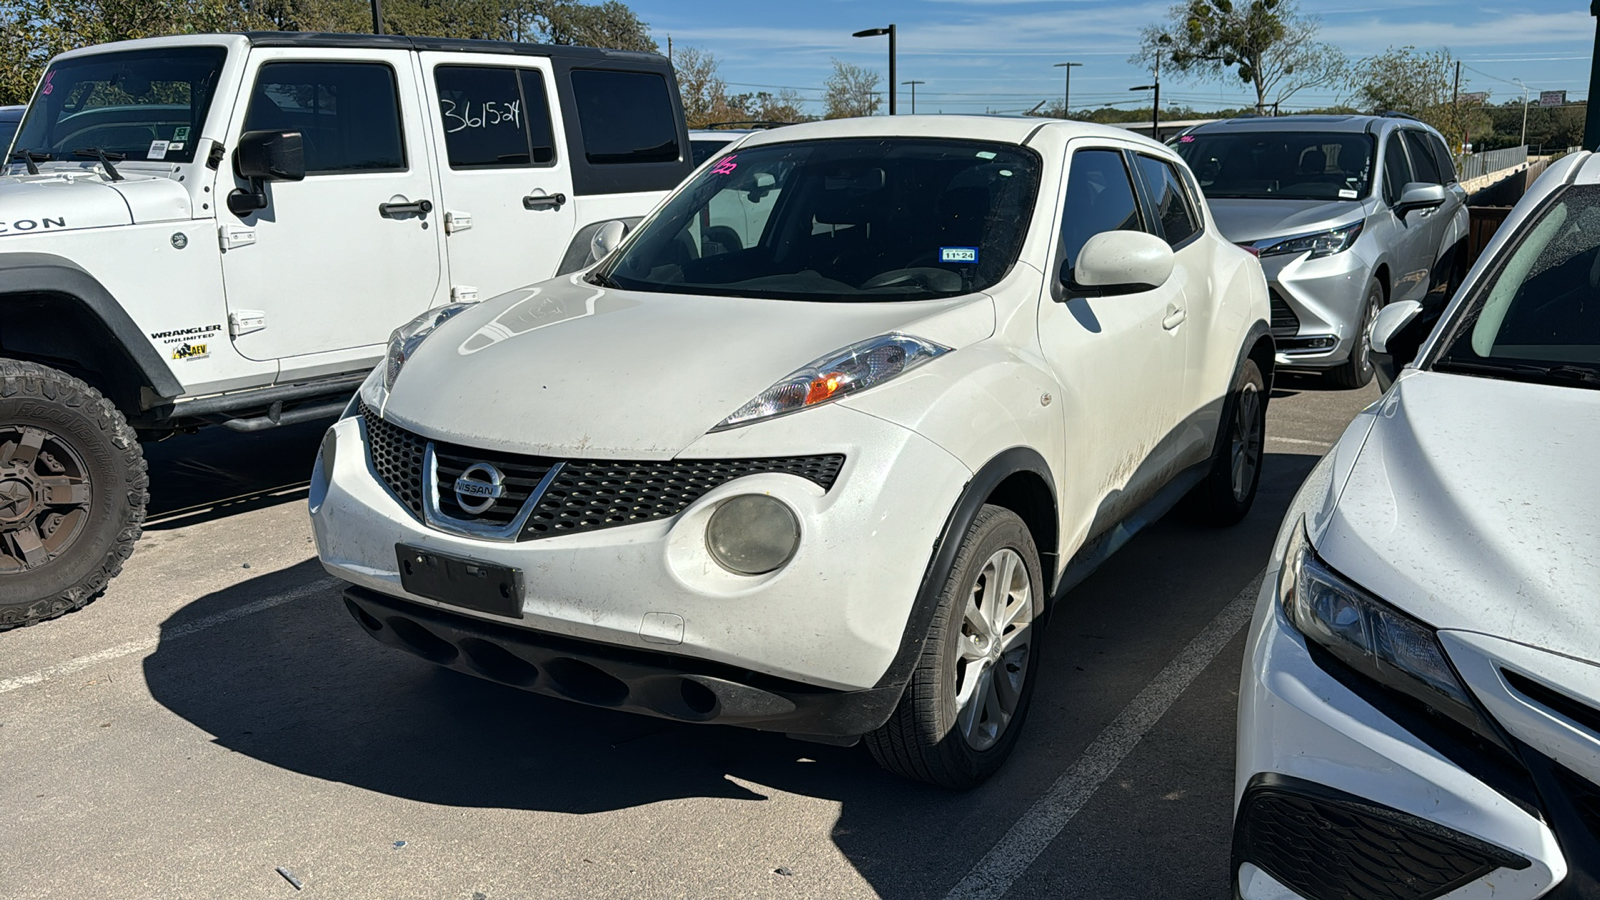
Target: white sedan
pixel 814 448
pixel 1420 707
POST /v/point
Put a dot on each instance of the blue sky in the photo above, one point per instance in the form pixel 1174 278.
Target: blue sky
pixel 997 54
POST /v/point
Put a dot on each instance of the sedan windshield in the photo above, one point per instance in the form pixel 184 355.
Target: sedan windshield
pixel 1280 165
pixel 1537 316
pixel 860 219
pixel 137 105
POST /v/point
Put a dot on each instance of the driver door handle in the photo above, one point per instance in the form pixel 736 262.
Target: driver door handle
pixel 544 201
pixel 1175 317
pixel 396 210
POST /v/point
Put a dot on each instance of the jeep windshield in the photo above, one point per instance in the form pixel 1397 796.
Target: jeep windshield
pixel 1536 317
pixel 1280 165
pixel 134 105
pixel 845 220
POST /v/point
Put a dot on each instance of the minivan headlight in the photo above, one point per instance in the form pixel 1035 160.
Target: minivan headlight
pixel 1326 243
pixel 839 374
pixel 1372 637
pixel 404 341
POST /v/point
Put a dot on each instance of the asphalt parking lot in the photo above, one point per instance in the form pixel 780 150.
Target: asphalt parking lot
pixel 216 716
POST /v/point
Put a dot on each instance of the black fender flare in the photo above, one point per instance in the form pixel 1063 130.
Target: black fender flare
pixel 43 273
pixel 943 559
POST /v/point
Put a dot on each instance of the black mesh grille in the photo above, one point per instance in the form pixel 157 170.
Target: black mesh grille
pixel 1284 322
pixel 1341 848
pixel 397 458
pixel 588 494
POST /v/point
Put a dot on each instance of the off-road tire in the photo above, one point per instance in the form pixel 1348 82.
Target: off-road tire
pixel 1221 498
pixel 74 414
pixel 922 740
pixel 1357 371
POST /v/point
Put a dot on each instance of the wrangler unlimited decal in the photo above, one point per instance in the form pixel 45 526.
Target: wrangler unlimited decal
pixel 21 225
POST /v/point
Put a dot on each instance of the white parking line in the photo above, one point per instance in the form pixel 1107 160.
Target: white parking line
pixel 1030 835
pixel 1283 440
pixel 181 631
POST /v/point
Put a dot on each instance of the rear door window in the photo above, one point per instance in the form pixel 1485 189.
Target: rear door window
pixel 1171 202
pixel 1422 159
pixel 347 113
pixel 625 117
pixel 494 117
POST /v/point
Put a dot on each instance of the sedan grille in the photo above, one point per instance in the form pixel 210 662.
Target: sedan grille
pixel 582 495
pixel 1284 322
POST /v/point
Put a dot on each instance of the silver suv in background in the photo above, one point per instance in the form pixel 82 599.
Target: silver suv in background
pixel 10 118
pixel 1347 213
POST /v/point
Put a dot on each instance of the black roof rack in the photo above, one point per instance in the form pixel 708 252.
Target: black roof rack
pixel 1396 114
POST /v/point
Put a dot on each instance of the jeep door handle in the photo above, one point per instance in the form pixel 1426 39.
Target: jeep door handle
pixel 544 201
pixel 1175 317
pixel 396 210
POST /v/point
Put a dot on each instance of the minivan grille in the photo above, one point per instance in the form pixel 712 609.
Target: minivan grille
pixel 1284 322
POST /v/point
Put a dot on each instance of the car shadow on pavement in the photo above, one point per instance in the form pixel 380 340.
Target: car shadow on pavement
pixel 299 686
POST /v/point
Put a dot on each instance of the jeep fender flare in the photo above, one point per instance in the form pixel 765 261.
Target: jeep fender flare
pixel 43 273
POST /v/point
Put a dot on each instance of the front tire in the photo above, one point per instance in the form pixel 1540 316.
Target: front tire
pixel 1357 371
pixel 1228 491
pixel 73 490
pixel 963 709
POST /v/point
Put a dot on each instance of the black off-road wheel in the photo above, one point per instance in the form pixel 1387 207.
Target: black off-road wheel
pixel 964 706
pixel 1358 370
pixel 73 490
pixel 1228 491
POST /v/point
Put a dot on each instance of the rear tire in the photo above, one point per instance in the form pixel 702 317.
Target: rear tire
pixel 73 490
pixel 964 706
pixel 1227 492
pixel 1357 371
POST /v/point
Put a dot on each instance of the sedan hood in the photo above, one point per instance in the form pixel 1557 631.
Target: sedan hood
pixel 569 369
pixel 1248 221
pixel 1472 507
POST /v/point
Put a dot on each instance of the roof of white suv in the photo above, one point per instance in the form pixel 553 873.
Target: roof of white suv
pixel 1311 123
pixel 1011 130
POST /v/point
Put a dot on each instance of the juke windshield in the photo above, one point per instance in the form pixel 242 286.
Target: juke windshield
pixel 136 105
pixel 1537 316
pixel 1280 165
pixel 839 220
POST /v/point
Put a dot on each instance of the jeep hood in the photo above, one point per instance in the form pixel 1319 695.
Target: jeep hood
pixel 1472 506
pixel 1248 221
pixel 76 198
pixel 569 369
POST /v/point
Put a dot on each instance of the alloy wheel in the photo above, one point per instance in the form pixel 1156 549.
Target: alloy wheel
pixel 45 497
pixel 992 659
pixel 1247 439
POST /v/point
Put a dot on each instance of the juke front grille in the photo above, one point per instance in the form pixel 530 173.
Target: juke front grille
pixel 584 495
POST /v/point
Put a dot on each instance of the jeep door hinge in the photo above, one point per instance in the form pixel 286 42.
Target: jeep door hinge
pixel 457 221
pixel 463 293
pixel 232 237
pixel 246 321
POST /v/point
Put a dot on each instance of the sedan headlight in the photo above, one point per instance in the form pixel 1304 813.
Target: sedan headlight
pixel 404 341
pixel 840 374
pixel 1326 243
pixel 1371 636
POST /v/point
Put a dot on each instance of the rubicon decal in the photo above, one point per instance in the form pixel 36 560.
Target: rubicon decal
pixel 22 226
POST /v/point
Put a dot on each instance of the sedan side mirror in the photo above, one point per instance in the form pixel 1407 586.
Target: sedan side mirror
pixel 264 156
pixel 605 241
pixel 1120 262
pixel 1420 196
pixel 1394 339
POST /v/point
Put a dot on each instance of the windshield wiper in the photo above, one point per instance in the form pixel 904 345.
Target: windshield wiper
pixel 105 160
pixel 1564 373
pixel 601 279
pixel 32 158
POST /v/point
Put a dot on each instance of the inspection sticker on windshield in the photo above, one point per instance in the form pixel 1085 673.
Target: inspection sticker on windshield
pixel 958 254
pixel 1347 194
pixel 158 150
pixel 181 133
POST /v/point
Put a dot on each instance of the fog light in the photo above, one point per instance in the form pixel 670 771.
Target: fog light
pixel 325 457
pixel 752 534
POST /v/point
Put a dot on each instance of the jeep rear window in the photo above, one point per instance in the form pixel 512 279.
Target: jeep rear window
pixel 625 117
pixel 494 117
pixel 139 104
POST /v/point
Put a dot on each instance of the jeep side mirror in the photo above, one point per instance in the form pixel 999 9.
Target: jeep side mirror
pixel 605 240
pixel 1420 196
pixel 264 156
pixel 1120 262
pixel 1394 339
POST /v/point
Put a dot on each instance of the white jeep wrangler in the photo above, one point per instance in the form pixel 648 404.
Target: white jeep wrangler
pixel 225 229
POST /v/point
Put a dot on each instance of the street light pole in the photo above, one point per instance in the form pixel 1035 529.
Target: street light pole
pixel 913 84
pixel 875 32
pixel 377 16
pixel 1155 105
pixel 1066 95
pixel 1524 110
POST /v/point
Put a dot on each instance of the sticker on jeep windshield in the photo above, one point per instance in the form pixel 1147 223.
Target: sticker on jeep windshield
pixel 191 351
pixel 184 335
pixel 23 226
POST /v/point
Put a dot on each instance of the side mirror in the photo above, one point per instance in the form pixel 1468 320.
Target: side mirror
pixel 605 241
pixel 1394 343
pixel 1417 195
pixel 264 156
pixel 1120 262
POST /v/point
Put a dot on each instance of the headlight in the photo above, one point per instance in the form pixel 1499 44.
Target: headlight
pixel 752 534
pixel 1371 636
pixel 1318 245
pixel 839 374
pixel 404 341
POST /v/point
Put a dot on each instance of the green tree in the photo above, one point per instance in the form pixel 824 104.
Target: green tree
pixel 1269 45
pixel 1422 84
pixel 851 90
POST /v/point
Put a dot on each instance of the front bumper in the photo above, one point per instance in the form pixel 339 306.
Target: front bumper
pixel 832 618
pixel 1316 306
pixel 1364 802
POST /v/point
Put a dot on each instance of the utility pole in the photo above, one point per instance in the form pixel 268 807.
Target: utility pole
pixel 1155 107
pixel 1524 110
pixel 377 16
pixel 913 84
pixel 1591 123
pixel 1066 95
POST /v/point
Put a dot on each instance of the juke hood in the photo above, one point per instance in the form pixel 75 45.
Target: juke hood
pixel 75 198
pixel 569 369
pixel 1248 221
pixel 1472 506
